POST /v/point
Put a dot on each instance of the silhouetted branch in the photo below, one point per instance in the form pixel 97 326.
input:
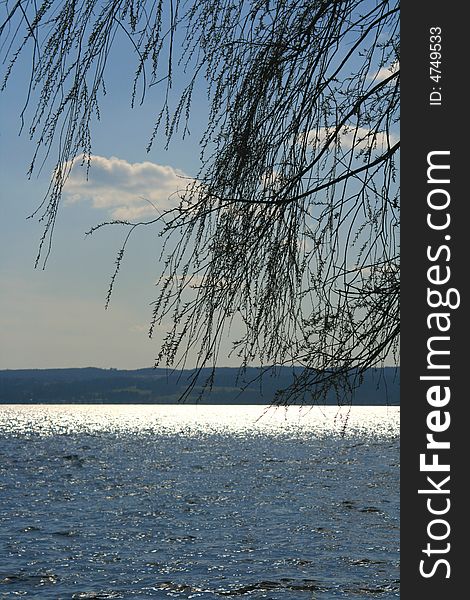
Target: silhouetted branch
pixel 289 231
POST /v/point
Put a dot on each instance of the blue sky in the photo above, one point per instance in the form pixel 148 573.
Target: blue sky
pixel 55 317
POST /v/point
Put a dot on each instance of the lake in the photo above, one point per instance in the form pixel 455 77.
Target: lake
pixel 207 502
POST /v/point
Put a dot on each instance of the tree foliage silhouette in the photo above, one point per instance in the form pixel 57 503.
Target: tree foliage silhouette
pixel 290 228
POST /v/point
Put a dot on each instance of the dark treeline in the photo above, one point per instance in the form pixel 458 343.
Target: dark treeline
pixel 160 386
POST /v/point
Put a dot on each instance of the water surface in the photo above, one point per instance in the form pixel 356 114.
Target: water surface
pixel 199 502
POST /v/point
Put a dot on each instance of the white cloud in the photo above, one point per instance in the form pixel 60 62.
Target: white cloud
pixel 352 136
pixel 385 72
pixel 139 328
pixel 128 191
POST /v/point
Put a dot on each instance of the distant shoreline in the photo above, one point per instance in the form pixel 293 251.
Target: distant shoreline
pixel 149 386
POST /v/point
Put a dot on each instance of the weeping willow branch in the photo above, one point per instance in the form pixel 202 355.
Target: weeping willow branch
pixel 289 231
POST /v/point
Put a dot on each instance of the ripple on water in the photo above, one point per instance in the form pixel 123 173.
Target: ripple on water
pixel 134 502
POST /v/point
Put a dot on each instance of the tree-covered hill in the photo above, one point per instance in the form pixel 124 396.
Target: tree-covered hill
pixel 160 386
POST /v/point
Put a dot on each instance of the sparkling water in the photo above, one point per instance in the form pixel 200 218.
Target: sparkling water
pixel 199 502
